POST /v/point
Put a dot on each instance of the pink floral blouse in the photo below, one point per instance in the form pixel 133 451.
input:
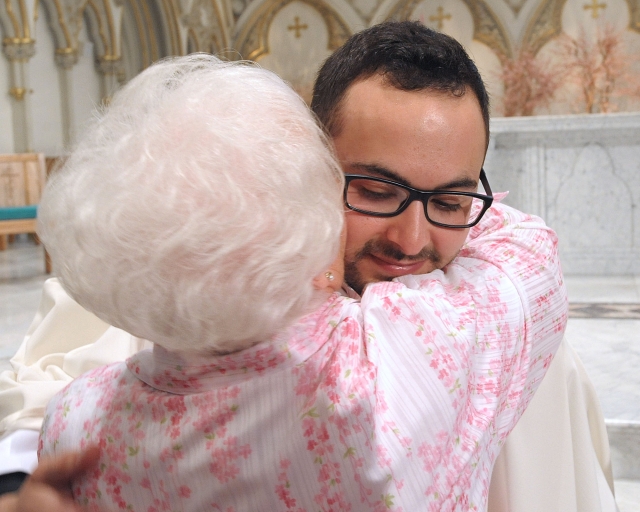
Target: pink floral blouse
pixel 399 402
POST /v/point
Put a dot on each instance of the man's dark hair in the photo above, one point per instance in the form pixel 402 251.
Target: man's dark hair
pixel 410 57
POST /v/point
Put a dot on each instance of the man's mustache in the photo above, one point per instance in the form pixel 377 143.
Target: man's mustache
pixel 379 247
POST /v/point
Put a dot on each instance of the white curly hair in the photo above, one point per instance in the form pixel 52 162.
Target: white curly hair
pixel 197 209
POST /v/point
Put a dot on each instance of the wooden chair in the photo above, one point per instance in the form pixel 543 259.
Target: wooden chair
pixel 22 179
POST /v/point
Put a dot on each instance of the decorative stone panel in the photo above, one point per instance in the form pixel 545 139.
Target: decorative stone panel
pixel 582 175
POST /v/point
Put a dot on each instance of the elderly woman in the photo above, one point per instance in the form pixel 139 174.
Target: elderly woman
pixel 203 212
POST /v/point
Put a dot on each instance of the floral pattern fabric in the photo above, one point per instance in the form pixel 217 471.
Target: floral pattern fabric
pixel 397 402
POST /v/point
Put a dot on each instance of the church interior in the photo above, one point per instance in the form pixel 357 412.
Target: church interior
pixel 564 81
pixel 62 58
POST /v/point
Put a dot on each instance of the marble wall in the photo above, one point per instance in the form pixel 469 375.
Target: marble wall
pixel 581 173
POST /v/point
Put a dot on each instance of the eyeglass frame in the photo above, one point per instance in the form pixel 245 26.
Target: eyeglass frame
pixel 423 196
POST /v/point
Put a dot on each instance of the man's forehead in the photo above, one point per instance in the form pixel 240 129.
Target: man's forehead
pixel 374 95
pixel 423 139
pixel 370 89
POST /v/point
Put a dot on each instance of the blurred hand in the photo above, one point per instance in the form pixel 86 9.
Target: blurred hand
pixel 49 488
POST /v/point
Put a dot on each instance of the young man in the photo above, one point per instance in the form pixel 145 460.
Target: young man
pixel 403 119
pixel 406 104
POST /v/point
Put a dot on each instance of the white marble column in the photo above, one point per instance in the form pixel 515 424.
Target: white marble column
pixel 19 51
pixel 66 58
pixel 111 70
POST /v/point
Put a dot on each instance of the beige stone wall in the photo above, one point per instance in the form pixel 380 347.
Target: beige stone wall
pixel 63 57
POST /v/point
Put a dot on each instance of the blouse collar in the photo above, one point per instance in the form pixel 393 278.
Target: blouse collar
pixel 186 373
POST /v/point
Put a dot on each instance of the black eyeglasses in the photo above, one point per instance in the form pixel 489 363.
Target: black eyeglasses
pixel 379 197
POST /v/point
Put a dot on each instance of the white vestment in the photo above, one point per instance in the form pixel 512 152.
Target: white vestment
pixel 557 458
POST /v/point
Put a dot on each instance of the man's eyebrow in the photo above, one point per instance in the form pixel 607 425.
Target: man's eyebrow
pixel 383 172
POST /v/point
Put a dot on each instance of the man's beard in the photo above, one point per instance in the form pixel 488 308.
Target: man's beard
pixel 354 278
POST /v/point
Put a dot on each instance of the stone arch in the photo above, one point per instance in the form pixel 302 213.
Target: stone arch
pixel 64 24
pixel 149 32
pixel 634 10
pixel 137 37
pixel 102 29
pixel 15 21
pixel 253 42
pixel 166 14
pixel 192 42
pixel 487 27
pixel 204 28
pixel 65 19
pixel 546 22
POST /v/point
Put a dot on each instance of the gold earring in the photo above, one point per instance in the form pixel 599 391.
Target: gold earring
pixel 329 276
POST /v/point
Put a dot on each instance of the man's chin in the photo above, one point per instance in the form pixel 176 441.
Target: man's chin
pixel 357 278
pixel 358 281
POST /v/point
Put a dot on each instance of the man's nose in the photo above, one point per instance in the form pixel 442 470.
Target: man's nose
pixel 410 231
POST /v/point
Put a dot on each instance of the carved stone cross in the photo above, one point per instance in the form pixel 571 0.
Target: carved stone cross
pixel 594 5
pixel 440 17
pixel 298 27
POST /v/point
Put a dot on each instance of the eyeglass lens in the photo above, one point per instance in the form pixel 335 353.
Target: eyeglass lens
pixel 445 208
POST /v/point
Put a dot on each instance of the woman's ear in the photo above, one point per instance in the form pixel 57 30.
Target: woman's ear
pixel 327 282
pixel 331 279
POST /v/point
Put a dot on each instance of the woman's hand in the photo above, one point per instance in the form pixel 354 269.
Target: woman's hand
pixel 48 489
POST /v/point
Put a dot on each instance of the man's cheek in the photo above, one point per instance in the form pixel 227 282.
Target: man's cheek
pixel 354 249
pixel 429 266
pixel 360 229
pixel 354 277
